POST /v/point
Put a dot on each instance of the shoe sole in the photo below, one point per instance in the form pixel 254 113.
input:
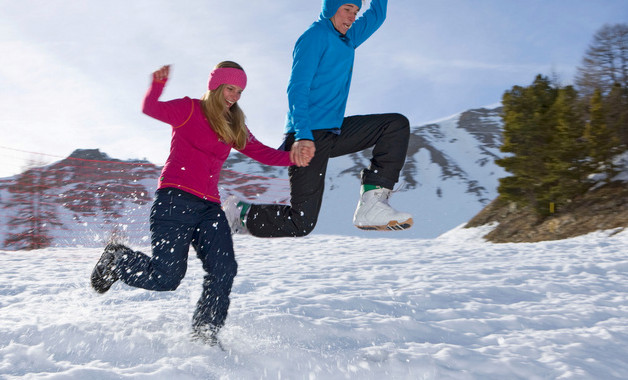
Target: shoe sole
pixel 393 225
pixel 102 282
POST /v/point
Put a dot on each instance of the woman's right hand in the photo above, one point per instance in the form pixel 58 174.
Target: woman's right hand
pixel 162 73
pixel 302 152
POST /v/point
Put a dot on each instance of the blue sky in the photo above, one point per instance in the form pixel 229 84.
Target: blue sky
pixel 73 74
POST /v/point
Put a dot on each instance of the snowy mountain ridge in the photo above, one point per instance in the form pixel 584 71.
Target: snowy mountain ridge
pixel 449 176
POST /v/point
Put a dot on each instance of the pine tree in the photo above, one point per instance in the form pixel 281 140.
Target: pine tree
pixel 558 137
pixel 603 142
pixel 617 114
pixel 529 135
pixel 570 165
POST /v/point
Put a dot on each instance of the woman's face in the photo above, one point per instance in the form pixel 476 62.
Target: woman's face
pixel 232 94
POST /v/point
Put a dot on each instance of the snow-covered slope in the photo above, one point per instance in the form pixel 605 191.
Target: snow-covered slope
pixel 333 307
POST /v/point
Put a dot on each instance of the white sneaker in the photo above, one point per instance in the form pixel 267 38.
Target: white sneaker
pixel 374 212
pixel 233 208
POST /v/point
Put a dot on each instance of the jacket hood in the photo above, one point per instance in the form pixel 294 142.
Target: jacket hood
pixel 330 7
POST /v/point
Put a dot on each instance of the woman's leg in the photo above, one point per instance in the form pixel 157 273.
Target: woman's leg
pixel 173 220
pixel 214 246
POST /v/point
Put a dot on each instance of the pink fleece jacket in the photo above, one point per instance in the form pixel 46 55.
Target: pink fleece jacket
pixel 196 154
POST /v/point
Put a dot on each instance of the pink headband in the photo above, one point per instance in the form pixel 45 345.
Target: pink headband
pixel 226 75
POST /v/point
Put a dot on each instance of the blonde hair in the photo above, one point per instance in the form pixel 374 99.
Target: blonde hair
pixel 228 123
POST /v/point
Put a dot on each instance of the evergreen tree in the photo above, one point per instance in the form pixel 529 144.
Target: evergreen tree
pixel 530 133
pixel 570 165
pixel 603 142
pixel 617 114
pixel 558 137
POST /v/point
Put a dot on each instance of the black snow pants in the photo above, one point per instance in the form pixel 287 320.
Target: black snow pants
pixel 178 220
pixel 388 134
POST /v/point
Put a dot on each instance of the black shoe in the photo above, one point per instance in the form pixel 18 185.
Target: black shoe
pixel 206 334
pixel 105 273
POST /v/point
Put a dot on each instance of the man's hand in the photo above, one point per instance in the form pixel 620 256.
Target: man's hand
pixel 302 152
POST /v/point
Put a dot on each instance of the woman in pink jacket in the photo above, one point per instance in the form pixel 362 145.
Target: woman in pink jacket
pixel 187 210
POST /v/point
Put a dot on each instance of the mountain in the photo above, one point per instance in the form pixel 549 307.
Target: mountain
pixel 91 196
pixel 449 176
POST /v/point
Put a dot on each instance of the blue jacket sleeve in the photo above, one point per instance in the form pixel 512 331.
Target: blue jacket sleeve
pixel 306 56
pixel 368 23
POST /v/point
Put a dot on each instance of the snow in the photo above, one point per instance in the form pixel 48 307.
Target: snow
pixel 333 307
pixel 622 162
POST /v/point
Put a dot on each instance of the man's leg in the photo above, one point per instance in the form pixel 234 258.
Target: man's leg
pixel 388 134
pixel 307 185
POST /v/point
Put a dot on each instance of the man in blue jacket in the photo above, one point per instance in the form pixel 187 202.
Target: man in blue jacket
pixel 317 128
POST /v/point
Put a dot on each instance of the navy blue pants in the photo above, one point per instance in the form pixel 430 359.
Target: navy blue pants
pixel 177 220
pixel 387 134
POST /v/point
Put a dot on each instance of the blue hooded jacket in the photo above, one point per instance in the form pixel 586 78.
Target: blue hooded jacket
pixel 322 67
